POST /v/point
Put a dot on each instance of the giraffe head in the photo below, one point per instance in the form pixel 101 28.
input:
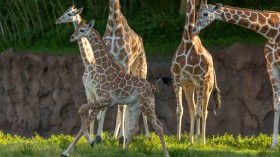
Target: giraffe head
pixel 206 14
pixel 70 15
pixel 82 30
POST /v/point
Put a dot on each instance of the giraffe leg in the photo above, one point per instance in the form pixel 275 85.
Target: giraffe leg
pixel 179 110
pixel 118 122
pixel 275 82
pixel 204 117
pixel 84 109
pixel 126 123
pixel 158 129
pixel 208 88
pixel 72 145
pixel 189 93
pixel 148 108
pixel 275 127
pixel 85 130
pixel 139 68
pixel 147 132
pixel 77 138
pixel 198 129
pixel 134 123
pixel 91 125
pixel 200 98
pixel 122 128
pixel 90 98
pixel 101 118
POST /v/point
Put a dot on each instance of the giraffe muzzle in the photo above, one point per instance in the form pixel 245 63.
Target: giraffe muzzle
pixel 195 31
pixel 58 21
pixel 73 38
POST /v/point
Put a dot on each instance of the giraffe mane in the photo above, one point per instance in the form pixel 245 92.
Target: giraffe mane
pixel 267 11
pixel 83 22
pixel 105 47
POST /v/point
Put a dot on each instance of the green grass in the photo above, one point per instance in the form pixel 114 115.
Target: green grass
pixel 217 146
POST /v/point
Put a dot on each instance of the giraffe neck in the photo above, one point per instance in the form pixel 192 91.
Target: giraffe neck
pixel 103 59
pixel 190 20
pixel 115 15
pixel 262 22
pixel 77 20
pixel 85 48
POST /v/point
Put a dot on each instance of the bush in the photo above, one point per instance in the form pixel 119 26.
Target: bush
pixel 158 22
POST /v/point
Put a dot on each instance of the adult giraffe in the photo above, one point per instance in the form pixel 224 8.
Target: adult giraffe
pixel 127 49
pixel 192 69
pixel 266 23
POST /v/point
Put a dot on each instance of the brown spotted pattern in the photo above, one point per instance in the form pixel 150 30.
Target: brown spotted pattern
pixel 72 15
pixel 127 49
pixel 192 69
pixel 111 85
pixel 124 44
pixel 266 23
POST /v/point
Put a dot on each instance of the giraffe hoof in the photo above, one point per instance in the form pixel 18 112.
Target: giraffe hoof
pixel 272 147
pixel 121 140
pixel 63 155
pixel 92 144
pixel 98 139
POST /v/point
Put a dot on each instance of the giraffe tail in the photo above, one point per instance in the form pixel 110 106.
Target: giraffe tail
pixel 165 80
pixel 216 94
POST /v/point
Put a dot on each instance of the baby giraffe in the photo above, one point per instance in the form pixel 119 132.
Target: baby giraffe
pixel 111 86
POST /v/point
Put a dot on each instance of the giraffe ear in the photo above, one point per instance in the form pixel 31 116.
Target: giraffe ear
pixel 218 6
pixel 79 11
pixel 201 4
pixel 91 24
pixel 72 7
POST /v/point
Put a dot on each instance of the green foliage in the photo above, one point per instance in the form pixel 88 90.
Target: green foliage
pixel 217 146
pixel 255 143
pixel 62 140
pixel 30 25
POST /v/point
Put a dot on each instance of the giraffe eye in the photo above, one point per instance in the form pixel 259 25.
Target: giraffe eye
pixel 205 14
pixel 82 30
pixel 69 14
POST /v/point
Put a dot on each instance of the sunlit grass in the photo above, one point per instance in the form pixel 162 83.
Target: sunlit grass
pixel 217 146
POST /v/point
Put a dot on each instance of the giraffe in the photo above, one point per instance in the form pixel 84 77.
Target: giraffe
pixel 266 23
pixel 112 85
pixel 73 15
pixel 192 69
pixel 127 49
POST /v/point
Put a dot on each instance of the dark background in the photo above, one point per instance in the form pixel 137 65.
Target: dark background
pixel 30 24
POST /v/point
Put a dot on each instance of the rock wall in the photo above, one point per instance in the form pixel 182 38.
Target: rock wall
pixel 42 93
